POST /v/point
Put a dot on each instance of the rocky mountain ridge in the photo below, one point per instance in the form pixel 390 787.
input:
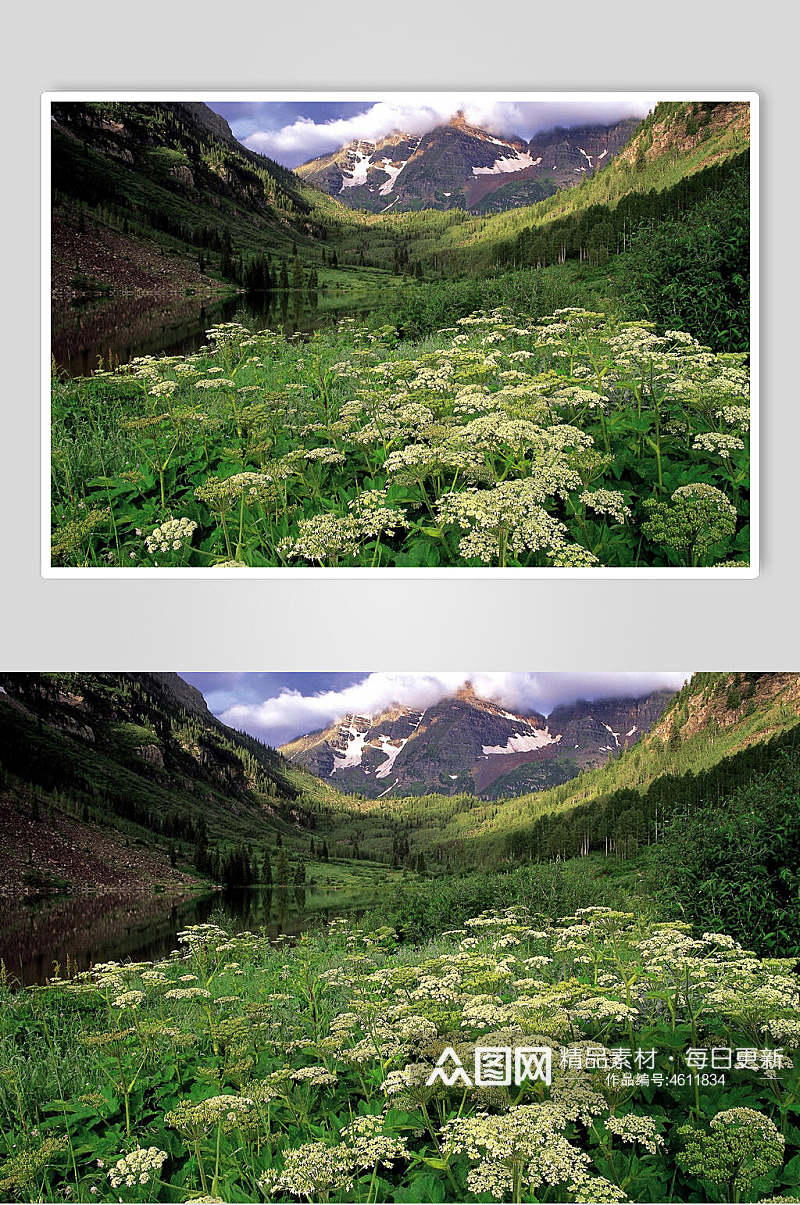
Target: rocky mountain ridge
pixel 470 744
pixel 458 165
pixel 725 703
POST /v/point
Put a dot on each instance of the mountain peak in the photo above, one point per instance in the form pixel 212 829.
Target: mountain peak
pixel 469 743
pixel 208 120
pixel 458 165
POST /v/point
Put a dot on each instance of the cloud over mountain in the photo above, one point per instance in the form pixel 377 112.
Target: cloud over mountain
pixel 304 136
pixel 291 711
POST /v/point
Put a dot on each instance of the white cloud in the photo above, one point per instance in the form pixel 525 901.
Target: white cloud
pixel 291 713
pixel 294 713
pixel 310 138
pixel 542 692
pixel 305 138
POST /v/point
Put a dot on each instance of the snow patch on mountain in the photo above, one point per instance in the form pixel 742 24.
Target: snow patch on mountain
pixel 353 750
pixel 392 172
pixel 507 163
pixel 391 751
pixel 523 742
pixel 613 733
pixel 361 165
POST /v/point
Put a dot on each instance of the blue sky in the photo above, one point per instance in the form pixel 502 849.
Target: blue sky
pixel 276 707
pixel 294 131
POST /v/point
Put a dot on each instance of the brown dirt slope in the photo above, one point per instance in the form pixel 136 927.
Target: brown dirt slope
pixel 108 258
pixel 57 853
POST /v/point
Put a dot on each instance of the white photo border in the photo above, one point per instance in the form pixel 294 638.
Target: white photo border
pixel 48 570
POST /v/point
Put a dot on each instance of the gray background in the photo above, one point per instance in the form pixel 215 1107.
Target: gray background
pixel 269 624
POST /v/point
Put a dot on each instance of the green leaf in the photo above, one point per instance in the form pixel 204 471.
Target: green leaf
pixel 791 1171
pixel 422 1188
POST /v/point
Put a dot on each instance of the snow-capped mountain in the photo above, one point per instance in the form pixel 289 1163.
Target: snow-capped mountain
pixel 461 166
pixel 466 743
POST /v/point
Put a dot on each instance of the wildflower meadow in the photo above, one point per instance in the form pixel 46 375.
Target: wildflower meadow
pixel 579 441
pixel 244 1069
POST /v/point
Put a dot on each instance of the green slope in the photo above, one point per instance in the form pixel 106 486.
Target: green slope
pixel 675 141
pixel 712 720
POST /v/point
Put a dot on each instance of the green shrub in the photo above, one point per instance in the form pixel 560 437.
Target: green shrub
pixel 733 864
pixel 692 271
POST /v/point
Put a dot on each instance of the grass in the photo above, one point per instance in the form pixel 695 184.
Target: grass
pixel 420 908
pixel 424 307
pixel 578 441
pixel 240 1069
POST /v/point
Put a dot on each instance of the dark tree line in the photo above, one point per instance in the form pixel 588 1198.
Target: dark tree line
pixel 598 231
pixel 620 823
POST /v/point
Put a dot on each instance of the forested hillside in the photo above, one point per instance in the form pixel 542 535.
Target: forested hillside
pixel 724 726
pixel 161 197
pixel 139 757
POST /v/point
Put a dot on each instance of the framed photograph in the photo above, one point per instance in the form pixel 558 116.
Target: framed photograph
pixel 400 334
pixel 399 937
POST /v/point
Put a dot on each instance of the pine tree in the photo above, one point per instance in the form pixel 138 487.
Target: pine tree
pixel 201 852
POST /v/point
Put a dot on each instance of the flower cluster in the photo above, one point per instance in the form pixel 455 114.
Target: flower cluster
pixel 171 536
pixel 633 1128
pixel 140 1166
pixel 718 443
pixel 741 1145
pixel 194 1118
pixel 585 415
pixel 221 493
pixel 313 1170
pixel 607 502
pixel 695 518
pixel 509 518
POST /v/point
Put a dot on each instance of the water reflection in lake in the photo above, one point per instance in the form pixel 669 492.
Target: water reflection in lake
pixel 82 932
pixel 110 331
